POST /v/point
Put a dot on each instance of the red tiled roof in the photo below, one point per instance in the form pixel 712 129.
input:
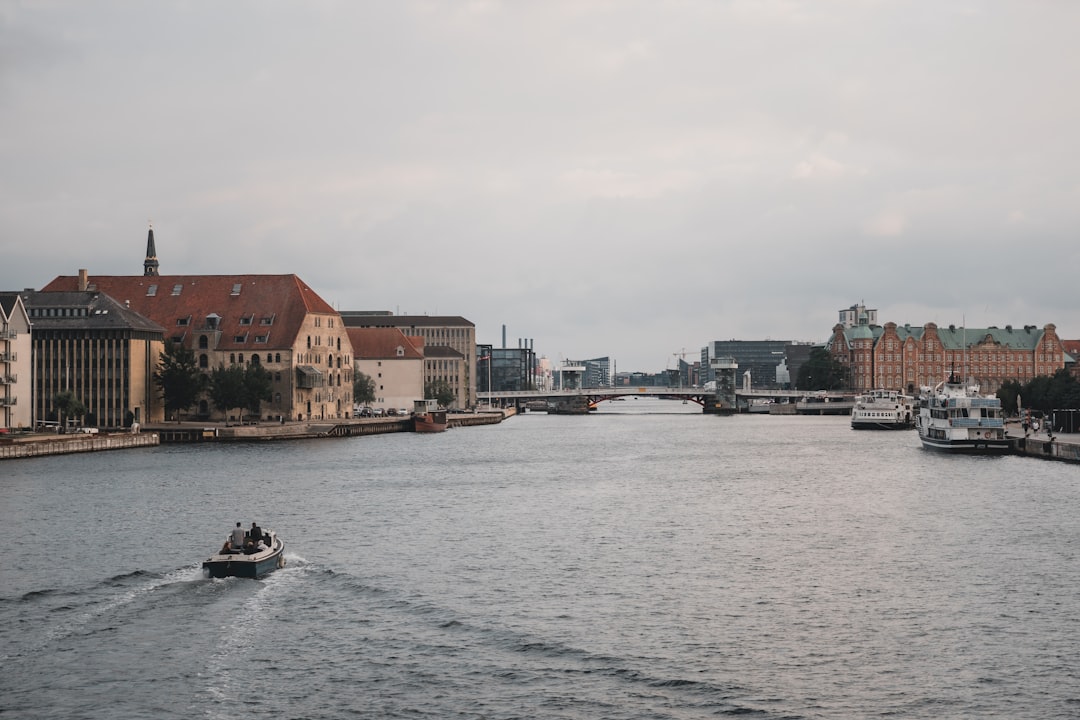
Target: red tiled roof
pixel 248 305
pixel 378 343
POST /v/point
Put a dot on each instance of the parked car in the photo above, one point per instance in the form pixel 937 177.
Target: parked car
pixel 377 412
pixel 391 411
pixel 366 411
pixel 403 412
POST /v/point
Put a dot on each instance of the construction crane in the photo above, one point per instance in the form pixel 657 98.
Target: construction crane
pixel 678 369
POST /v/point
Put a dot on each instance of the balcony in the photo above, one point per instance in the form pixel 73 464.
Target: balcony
pixel 8 356
pixel 8 379
pixel 9 402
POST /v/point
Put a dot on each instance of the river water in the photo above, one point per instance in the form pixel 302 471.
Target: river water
pixel 641 562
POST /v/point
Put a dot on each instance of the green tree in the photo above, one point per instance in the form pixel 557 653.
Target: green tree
pixel 822 372
pixel 1009 392
pixel 257 387
pixel 363 389
pixel 440 391
pixel 179 378
pixel 227 388
pixel 67 405
pixel 1051 392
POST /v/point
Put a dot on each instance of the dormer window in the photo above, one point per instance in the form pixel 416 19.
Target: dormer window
pixel 183 321
pixel 247 319
pixel 151 291
pixel 212 321
pixel 267 320
pixel 236 289
pixel 400 351
pixel 240 338
pixel 176 289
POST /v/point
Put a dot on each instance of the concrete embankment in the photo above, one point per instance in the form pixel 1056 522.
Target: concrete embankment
pixel 195 432
pixel 1056 449
pixel 39 445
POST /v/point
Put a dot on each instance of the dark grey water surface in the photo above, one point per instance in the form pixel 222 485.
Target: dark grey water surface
pixel 643 562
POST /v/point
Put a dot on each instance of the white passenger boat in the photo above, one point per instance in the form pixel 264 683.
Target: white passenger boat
pixel 954 417
pixel 883 410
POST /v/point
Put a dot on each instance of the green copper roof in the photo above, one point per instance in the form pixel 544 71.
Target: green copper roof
pixel 957 338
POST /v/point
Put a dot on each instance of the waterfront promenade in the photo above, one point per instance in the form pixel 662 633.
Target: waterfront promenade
pixel 1064 446
pixel 38 444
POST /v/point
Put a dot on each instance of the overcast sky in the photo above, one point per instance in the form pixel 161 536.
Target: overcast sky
pixel 606 178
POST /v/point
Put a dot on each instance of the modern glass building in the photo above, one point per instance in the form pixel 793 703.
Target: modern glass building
pixel 760 357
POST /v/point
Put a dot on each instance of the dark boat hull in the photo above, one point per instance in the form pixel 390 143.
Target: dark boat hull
pixel 968 447
pixel 246 566
pixel 868 425
pixel 430 422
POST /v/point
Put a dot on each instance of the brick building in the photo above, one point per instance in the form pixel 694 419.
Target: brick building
pixel 907 358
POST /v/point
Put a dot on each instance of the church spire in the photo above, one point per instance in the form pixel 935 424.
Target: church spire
pixel 150 264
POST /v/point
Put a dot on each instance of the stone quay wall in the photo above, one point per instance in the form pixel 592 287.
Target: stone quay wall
pixel 37 445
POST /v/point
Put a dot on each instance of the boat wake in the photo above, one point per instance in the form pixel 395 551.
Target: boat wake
pixel 64 613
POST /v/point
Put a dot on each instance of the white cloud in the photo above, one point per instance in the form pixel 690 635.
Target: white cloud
pixel 613 174
pixel 888 223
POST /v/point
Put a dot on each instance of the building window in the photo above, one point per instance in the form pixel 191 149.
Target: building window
pixel 151 291
pixel 236 289
pixel 184 320
pixel 204 362
pixel 262 339
pixel 240 338
pixel 203 342
pixel 176 289
pixel 247 319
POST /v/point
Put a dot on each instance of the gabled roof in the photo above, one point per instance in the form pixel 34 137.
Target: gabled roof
pixel 383 344
pixel 354 318
pixel 1072 347
pixel 957 338
pixel 8 300
pixel 443 351
pixel 96 311
pixel 249 306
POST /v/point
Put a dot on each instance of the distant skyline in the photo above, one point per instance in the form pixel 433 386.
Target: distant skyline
pixel 621 179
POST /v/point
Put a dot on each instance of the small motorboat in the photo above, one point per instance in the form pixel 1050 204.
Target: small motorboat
pixel 255 560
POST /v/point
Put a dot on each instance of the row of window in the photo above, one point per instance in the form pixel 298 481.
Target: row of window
pixel 58 312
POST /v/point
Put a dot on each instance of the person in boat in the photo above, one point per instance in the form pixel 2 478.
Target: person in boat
pixel 238 537
pixel 255 533
pixel 226 548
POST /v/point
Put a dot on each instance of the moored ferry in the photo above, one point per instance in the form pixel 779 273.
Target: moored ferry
pixel 954 417
pixel 883 410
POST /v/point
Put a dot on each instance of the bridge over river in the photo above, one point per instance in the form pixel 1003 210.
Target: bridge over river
pixel 584 399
